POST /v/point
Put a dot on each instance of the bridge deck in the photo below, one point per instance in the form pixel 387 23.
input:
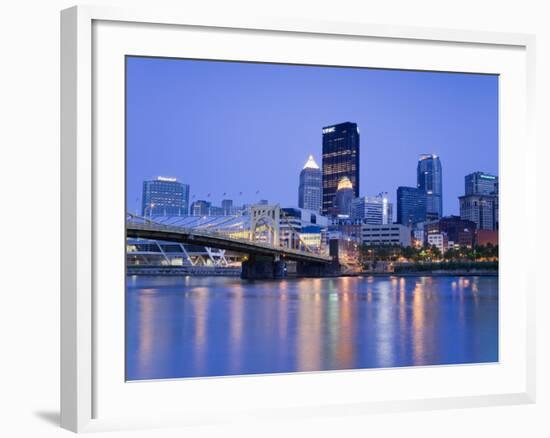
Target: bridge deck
pixel 155 231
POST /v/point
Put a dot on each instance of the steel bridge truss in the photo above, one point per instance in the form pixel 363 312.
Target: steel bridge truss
pixel 155 252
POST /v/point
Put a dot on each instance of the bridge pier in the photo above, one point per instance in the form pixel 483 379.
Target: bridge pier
pixel 262 268
pixel 266 268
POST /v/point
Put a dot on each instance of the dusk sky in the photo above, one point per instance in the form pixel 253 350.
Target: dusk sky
pixel 241 127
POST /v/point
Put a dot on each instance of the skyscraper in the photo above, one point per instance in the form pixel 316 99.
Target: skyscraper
pixel 375 210
pixel 480 202
pixel 480 209
pixel 340 159
pixel 411 205
pixel 311 186
pixel 164 196
pixel 344 197
pixel 429 180
pixel 480 183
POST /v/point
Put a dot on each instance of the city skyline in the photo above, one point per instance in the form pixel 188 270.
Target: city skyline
pixel 200 162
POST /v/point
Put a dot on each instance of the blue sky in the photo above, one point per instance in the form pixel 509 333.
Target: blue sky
pixel 230 127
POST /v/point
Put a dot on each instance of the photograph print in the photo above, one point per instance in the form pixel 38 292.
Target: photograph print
pixel 285 218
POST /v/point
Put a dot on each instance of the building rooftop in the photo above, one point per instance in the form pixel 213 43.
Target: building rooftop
pixel 344 183
pixel 311 164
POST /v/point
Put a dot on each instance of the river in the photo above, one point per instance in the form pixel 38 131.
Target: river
pixel 215 326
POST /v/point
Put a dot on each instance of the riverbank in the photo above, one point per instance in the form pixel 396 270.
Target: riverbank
pixel 439 273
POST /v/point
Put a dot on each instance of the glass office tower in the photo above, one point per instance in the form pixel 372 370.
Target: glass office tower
pixel 310 191
pixel 480 183
pixel 164 196
pixel 411 205
pixel 429 180
pixel 340 159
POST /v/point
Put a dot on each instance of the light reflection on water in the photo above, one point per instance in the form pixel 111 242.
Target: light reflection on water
pixel 212 326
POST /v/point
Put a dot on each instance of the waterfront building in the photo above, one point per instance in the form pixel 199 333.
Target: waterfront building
pixel 439 240
pixel 394 234
pixel 164 196
pixel 480 209
pixel 200 208
pixel 340 159
pixel 310 190
pixel 344 198
pixel 459 231
pixel 411 205
pixel 376 210
pixel 429 180
pixel 480 183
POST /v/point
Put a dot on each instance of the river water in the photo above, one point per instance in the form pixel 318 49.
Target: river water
pixel 215 326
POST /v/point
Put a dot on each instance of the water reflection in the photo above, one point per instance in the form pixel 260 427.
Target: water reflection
pixel 183 327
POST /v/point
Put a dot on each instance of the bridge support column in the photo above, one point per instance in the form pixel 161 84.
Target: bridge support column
pixel 308 269
pixel 262 268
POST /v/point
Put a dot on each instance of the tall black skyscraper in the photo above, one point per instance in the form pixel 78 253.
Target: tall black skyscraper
pixel 340 159
pixel 164 196
pixel 411 205
pixel 429 180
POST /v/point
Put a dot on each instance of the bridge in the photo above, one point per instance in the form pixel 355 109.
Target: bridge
pixel 264 259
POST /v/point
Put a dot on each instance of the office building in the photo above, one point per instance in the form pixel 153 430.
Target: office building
pixel 310 190
pixel 343 199
pixel 480 209
pixel 394 234
pixel 200 208
pixel 480 202
pixel 411 205
pixel 340 159
pixel 376 210
pixel 429 180
pixel 480 183
pixel 164 196
pixel 294 220
pixel 459 231
pixel 439 240
pixel 227 207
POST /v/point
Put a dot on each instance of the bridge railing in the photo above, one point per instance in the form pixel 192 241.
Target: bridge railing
pixel 149 225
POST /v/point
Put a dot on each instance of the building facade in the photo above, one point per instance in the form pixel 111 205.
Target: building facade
pixel 439 240
pixel 376 210
pixel 480 183
pixel 293 221
pixel 480 209
pixel 227 207
pixel 164 196
pixel 459 231
pixel 429 180
pixel 394 234
pixel 200 208
pixel 411 205
pixel 340 159
pixel 310 190
pixel 343 199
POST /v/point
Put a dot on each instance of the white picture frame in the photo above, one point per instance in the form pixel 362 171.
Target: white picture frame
pixel 86 376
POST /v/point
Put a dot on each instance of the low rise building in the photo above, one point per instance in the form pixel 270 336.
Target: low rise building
pixel 439 240
pixel 394 234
